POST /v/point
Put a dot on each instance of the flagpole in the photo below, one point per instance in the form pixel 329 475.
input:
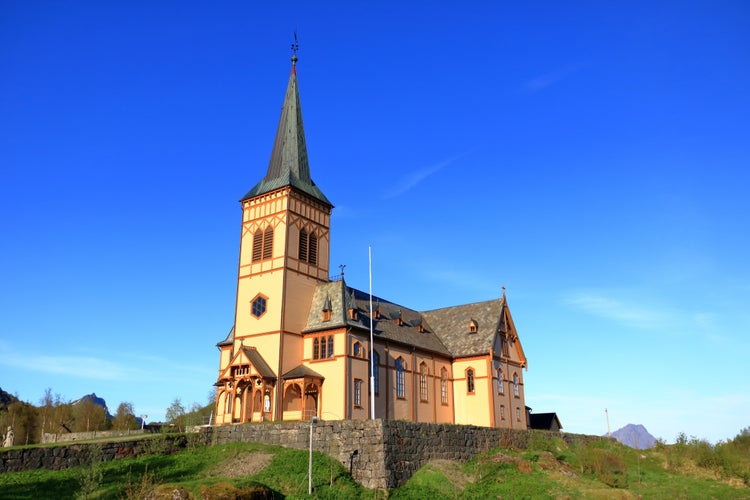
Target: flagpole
pixel 372 346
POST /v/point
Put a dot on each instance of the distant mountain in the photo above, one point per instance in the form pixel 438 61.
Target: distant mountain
pixel 635 436
pixel 93 398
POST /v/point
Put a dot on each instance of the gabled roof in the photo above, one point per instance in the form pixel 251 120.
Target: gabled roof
pixel 342 298
pixel 544 421
pixel 451 324
pixel 289 165
pixel 227 341
pixel 300 372
pixel 258 362
pixel 442 331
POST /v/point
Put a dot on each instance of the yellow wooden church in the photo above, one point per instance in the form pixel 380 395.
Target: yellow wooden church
pixel 300 344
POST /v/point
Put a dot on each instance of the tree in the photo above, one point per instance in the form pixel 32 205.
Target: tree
pixel 125 417
pixel 176 413
pixel 89 416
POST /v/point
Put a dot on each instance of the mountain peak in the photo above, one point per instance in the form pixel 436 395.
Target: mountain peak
pixel 636 436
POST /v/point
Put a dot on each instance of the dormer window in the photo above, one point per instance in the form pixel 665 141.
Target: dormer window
pixel 353 313
pixel 326 315
pixel 376 312
pixel 400 318
pixel 473 326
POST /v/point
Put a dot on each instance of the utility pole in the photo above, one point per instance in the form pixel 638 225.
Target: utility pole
pixel 606 413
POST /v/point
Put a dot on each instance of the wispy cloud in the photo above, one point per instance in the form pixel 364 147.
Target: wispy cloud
pixel 607 307
pixel 410 180
pixel 125 366
pixel 73 366
pixel 541 82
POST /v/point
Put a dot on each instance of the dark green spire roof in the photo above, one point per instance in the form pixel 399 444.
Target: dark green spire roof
pixel 288 165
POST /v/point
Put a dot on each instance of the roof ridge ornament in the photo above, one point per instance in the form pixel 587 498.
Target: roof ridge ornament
pixel 295 48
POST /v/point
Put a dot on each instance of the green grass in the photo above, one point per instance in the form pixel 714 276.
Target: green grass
pixel 549 469
pixel 195 470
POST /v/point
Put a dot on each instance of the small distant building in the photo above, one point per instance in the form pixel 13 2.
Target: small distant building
pixel 545 421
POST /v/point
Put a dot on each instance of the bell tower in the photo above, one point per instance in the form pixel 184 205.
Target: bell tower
pixel 284 254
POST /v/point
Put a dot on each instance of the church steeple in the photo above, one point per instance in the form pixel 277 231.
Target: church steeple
pixel 289 165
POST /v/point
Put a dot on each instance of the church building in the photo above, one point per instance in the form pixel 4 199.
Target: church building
pixel 300 345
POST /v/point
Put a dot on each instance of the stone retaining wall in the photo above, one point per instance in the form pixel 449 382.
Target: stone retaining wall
pixel 72 455
pixel 388 452
pixel 85 436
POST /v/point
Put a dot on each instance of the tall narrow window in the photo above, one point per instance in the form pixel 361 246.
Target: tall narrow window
pixel 323 347
pixel 303 245
pixel 312 250
pixel 308 247
pixel 423 382
pixel 268 243
pixel 316 347
pixel 357 392
pixel 499 381
pixel 263 244
pixel 375 371
pixel 515 384
pixel 444 386
pixel 400 378
pixel 229 403
pixel 330 346
pixel 470 381
pixel 257 245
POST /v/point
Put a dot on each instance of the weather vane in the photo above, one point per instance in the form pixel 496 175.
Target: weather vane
pixel 295 48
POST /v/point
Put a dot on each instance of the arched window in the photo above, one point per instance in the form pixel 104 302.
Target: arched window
pixel 423 382
pixel 375 371
pixel 323 347
pixel 316 344
pixel 308 247
pixel 515 384
pixel 263 244
pixel 330 346
pixel 293 398
pixel 444 386
pixel 499 381
pixel 400 392
pixel 268 243
pixel 470 381
pixel 303 245
pixel 312 250
pixel 357 392
pixel 257 245
pixel 357 349
pixel 229 403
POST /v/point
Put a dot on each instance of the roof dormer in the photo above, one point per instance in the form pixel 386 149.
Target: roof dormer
pixel 327 307
pixel 473 326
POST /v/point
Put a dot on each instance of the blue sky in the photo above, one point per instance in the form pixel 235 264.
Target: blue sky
pixel 592 158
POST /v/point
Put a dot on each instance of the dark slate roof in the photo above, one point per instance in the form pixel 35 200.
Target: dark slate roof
pixel 229 340
pixel 543 420
pixel 342 297
pixel 451 324
pixel 258 362
pixel 300 372
pixel 289 164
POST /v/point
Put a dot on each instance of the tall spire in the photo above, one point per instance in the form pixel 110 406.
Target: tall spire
pixel 289 165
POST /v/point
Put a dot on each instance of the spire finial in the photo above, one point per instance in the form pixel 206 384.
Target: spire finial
pixel 503 287
pixel 295 48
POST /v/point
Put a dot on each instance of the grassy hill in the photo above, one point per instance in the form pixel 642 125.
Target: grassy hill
pixel 549 469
